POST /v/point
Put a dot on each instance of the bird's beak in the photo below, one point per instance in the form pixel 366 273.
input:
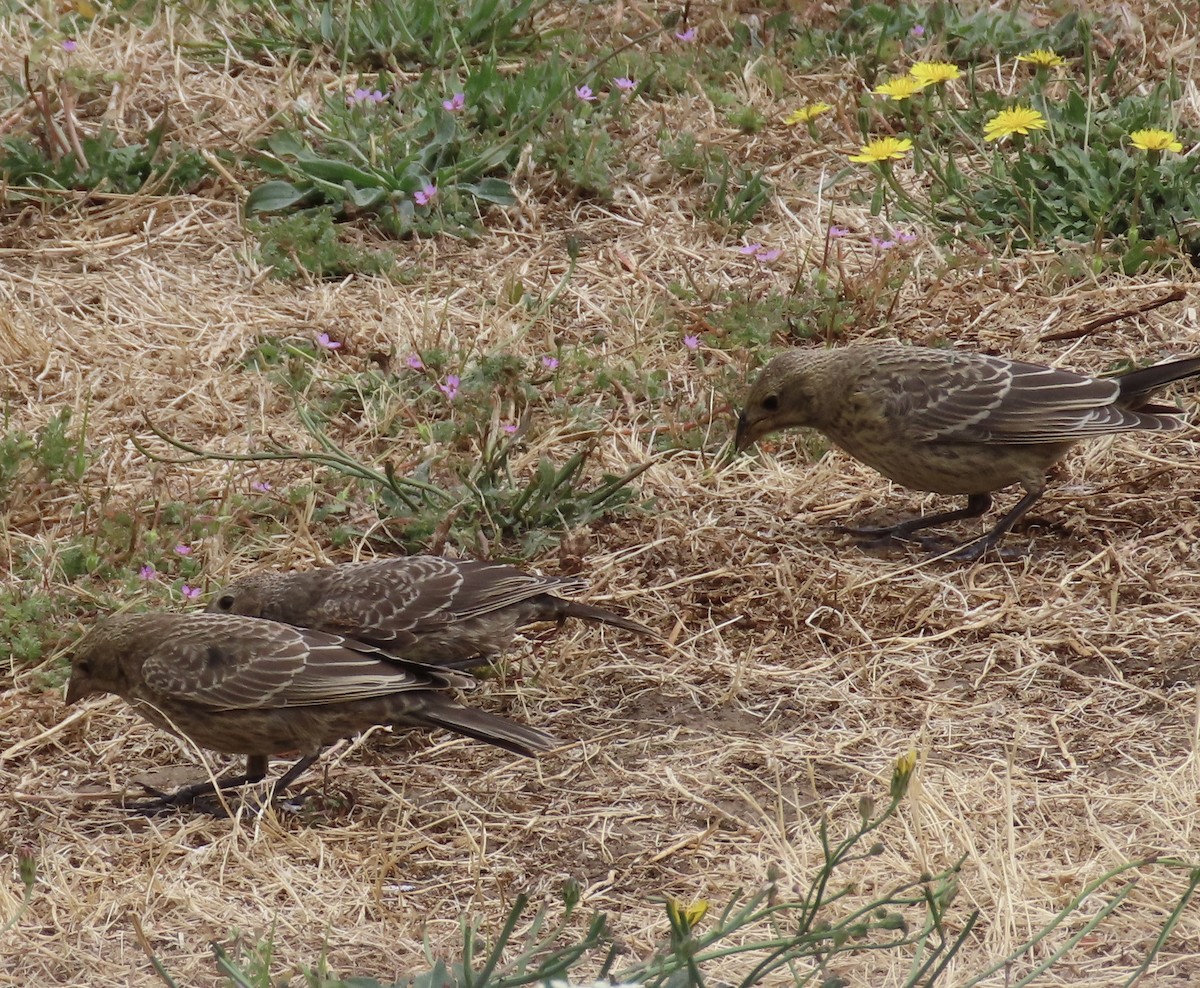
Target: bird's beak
pixel 76 690
pixel 742 437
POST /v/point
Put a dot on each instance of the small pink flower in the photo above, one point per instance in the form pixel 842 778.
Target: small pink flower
pixel 509 427
pixel 686 36
pixel 691 341
pixel 148 572
pixel 183 549
pixel 415 362
pixel 426 195
pixel 450 388
pixel 326 343
pixel 625 84
pixel 365 96
pixel 838 231
pixel 550 363
pixel 585 93
pixel 70 44
pixel 455 102
pixel 189 592
pixel 760 253
pixel 262 486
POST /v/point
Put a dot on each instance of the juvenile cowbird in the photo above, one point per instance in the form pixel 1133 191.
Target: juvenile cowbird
pixel 447 611
pixel 953 422
pixel 244 686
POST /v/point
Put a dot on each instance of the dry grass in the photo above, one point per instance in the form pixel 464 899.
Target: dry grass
pixel 1052 700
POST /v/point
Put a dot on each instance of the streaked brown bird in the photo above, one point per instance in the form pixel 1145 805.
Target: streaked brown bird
pixel 449 612
pixel 249 687
pixel 953 422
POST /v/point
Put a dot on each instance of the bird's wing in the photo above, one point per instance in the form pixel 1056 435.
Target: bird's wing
pixel 229 663
pixel 385 600
pixel 489 587
pixel 978 398
pixel 395 601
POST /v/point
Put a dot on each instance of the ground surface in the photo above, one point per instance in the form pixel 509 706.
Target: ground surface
pixel 1051 699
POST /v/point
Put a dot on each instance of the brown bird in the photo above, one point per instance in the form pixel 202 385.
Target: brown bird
pixel 244 686
pixel 953 422
pixel 449 612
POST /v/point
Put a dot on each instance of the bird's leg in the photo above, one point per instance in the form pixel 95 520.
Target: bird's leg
pixel 972 550
pixel 977 504
pixel 292 774
pixel 256 771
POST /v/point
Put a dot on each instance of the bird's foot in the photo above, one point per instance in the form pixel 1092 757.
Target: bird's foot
pixel 880 538
pixel 201 797
pixel 970 552
pixel 172 802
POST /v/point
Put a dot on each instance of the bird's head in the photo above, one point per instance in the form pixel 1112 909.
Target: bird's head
pixel 251 595
pixel 783 396
pixel 96 664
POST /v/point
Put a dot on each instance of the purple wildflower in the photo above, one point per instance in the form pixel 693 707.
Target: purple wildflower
pixel 691 341
pixel 455 102
pixel 585 93
pixel 686 36
pixel 550 363
pixel 360 96
pixel 426 195
pixel 189 592
pixel 148 572
pixel 326 343
pixel 760 253
pixel 625 84
pixel 414 362
pixel 70 44
pixel 450 388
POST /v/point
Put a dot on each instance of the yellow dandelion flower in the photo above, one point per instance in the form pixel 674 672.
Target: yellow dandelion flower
pixel 806 113
pixel 687 916
pixel 884 149
pixel 902 87
pixel 1043 58
pixel 902 773
pixel 1155 140
pixel 1018 120
pixel 934 73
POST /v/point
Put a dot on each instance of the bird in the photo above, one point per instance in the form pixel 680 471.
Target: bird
pixel 953 422
pixel 454 613
pixel 246 686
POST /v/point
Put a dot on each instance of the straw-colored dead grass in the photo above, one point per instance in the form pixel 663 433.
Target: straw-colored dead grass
pixel 1052 699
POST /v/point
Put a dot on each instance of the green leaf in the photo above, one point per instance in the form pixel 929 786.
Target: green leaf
pixel 494 190
pixel 274 197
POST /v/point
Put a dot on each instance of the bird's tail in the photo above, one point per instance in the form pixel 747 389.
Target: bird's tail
pixel 586 612
pixel 1138 385
pixel 490 728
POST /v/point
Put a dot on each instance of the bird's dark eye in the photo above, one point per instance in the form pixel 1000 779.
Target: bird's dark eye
pixel 771 403
pixel 225 603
